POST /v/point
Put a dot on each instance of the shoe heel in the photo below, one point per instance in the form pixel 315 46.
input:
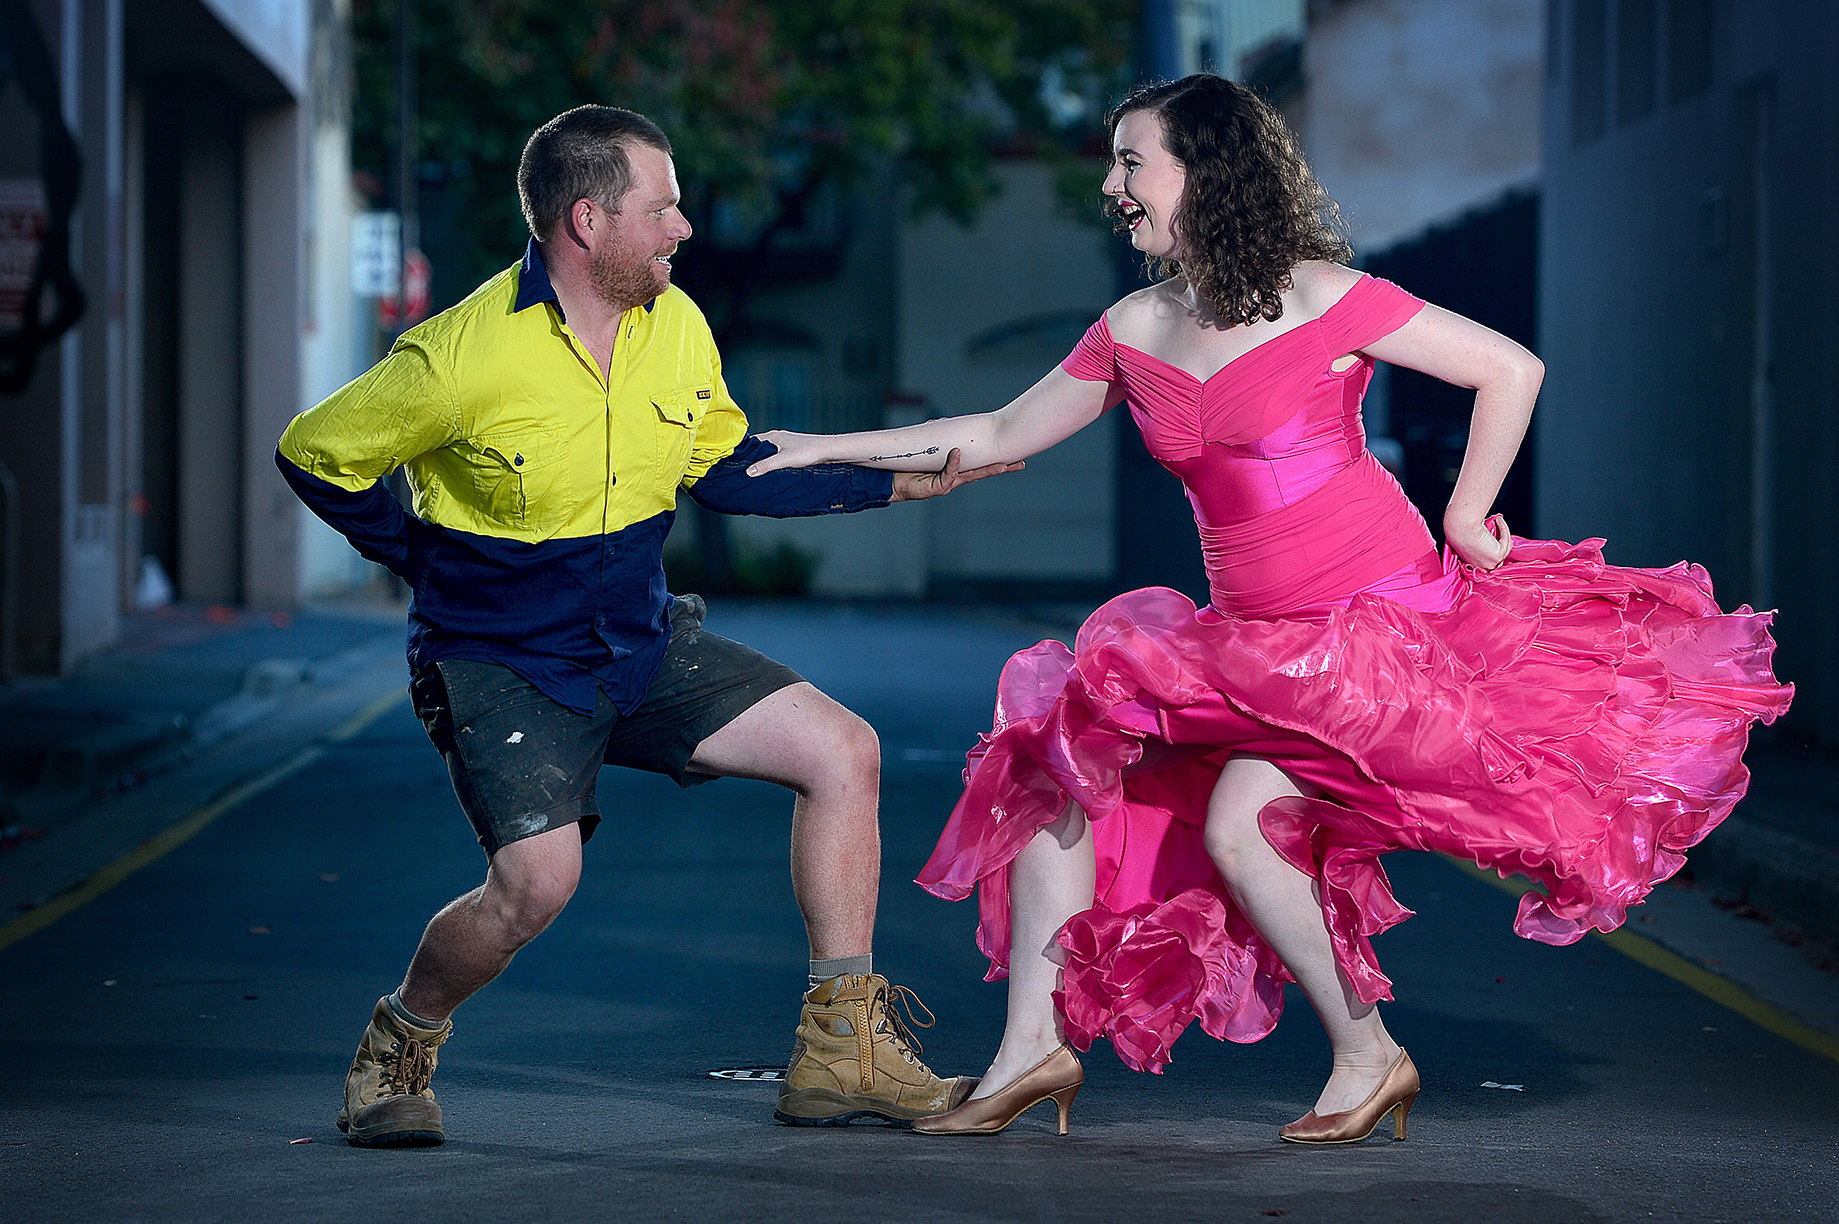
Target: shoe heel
pixel 1064 1099
pixel 1398 1116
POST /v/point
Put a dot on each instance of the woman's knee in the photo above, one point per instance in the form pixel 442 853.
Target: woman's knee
pixel 1232 838
pixel 1068 828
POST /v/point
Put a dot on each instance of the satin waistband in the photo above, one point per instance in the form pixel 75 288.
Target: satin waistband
pixel 1352 533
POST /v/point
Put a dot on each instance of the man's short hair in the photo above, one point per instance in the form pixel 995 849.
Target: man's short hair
pixel 580 155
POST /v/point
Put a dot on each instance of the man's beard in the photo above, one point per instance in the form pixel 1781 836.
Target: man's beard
pixel 624 280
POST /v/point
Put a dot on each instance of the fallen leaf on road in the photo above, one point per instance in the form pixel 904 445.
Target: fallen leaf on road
pixel 260 931
pixel 111 982
pixel 292 1142
pixel 330 877
pixel 1504 1087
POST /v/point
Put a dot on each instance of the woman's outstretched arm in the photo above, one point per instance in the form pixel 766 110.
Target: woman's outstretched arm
pixel 1506 380
pixel 1056 407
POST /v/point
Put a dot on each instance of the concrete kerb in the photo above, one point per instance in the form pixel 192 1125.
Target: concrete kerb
pixel 1794 880
pixel 110 788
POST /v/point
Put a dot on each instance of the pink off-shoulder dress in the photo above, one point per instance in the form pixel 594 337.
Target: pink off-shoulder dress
pixel 1576 722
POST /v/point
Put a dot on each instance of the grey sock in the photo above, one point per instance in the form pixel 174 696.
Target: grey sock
pixel 394 1003
pixel 823 970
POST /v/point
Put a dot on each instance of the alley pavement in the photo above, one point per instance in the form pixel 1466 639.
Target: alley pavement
pixel 221 841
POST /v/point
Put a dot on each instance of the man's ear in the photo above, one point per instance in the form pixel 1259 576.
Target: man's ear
pixel 581 220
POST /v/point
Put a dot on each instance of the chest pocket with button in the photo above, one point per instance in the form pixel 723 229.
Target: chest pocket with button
pixel 514 473
pixel 679 414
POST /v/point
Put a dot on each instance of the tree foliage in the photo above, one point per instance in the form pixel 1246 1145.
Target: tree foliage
pixel 770 104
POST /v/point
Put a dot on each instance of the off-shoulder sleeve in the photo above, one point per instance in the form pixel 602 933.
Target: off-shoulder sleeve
pixel 1372 309
pixel 1094 358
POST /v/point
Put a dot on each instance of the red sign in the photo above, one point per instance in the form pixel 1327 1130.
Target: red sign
pixel 418 295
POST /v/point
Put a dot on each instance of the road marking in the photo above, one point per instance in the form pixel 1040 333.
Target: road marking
pixel 176 835
pixel 1721 990
pixel 750 1073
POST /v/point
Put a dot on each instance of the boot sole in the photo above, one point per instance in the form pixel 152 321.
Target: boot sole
pixel 407 1138
pixel 424 1131
pixel 821 1107
pixel 845 1119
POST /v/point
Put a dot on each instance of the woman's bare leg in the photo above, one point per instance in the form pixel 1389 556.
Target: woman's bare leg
pixel 1283 904
pixel 1049 881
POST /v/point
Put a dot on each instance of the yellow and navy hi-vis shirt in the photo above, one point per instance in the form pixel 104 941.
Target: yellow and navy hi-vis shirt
pixel 542 490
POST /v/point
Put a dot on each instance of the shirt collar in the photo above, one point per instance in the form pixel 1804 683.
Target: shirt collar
pixel 534 285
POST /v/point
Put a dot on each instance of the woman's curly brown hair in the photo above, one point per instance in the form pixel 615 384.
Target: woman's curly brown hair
pixel 1250 210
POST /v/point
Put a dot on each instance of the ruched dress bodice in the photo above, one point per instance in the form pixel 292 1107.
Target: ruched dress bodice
pixel 1575 722
pixel 1293 510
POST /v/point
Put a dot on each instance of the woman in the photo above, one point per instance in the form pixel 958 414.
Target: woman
pixel 1187 810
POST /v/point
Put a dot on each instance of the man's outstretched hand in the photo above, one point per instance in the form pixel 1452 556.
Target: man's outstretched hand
pixel 918 486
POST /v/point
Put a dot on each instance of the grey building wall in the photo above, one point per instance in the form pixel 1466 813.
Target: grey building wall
pixel 148 430
pixel 1688 317
pixel 1415 111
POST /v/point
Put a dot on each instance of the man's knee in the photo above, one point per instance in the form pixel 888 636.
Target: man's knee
pixel 856 747
pixel 841 748
pixel 529 882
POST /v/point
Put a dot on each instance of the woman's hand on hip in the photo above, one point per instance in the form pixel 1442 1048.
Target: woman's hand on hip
pixel 1484 545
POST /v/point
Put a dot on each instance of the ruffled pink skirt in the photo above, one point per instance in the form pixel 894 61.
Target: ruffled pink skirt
pixel 1574 722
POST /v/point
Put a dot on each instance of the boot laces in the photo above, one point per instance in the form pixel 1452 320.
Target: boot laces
pixel 890 1022
pixel 408 1068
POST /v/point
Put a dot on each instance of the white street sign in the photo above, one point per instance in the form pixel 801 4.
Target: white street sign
pixel 376 254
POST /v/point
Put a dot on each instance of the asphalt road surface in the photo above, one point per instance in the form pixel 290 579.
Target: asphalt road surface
pixel 168 1046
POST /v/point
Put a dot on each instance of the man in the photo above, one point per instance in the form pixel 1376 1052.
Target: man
pixel 547 423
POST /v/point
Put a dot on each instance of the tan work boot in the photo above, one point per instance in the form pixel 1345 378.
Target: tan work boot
pixel 387 1099
pixel 855 1058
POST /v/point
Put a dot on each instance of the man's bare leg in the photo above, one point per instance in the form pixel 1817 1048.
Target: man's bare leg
pixel 388 1098
pixel 470 941
pixel 831 760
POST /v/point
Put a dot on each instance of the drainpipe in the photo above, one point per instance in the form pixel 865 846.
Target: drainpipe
pixel 9 573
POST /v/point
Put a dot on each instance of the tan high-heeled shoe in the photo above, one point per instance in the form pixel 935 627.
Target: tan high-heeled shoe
pixel 1394 1096
pixel 1056 1077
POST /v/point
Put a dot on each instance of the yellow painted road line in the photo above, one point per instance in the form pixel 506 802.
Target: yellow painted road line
pixel 1721 990
pixel 176 835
